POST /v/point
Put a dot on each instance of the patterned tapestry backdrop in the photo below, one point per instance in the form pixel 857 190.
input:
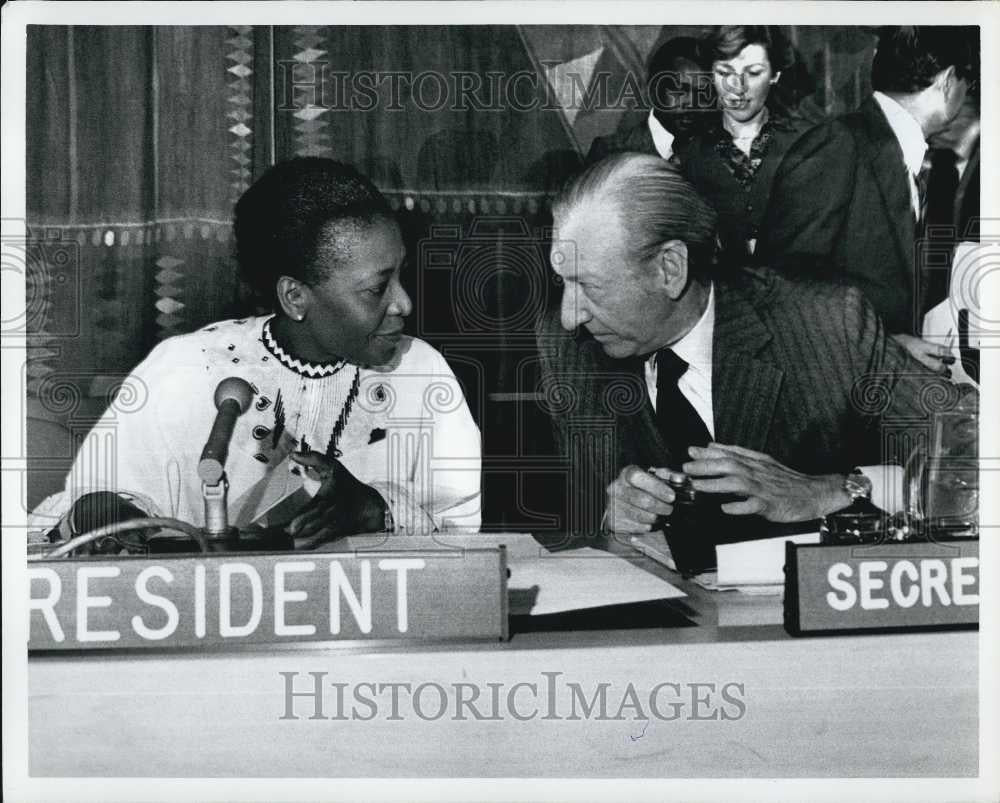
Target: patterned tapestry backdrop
pixel 140 140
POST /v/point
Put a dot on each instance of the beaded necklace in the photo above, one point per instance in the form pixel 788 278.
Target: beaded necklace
pixel 331 447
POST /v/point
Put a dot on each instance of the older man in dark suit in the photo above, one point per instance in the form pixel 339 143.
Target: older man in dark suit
pixel 777 392
pixel 848 200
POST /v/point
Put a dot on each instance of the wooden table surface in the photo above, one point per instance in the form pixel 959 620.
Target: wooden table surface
pixel 855 706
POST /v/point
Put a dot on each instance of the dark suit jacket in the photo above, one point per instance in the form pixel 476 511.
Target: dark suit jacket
pixel 967 200
pixel 637 139
pixel 803 371
pixel 840 207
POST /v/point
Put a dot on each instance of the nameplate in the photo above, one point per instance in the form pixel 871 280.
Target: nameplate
pixel 882 587
pixel 225 600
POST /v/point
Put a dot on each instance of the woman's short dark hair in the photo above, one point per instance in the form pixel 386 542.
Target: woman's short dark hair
pixel 279 221
pixel 726 41
pixel 908 58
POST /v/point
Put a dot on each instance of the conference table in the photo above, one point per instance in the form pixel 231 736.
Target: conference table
pixel 737 697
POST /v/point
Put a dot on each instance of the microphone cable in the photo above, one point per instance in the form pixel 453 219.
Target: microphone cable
pixel 124 526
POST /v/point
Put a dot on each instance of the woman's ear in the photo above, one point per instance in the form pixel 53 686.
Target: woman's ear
pixel 293 297
pixel 673 265
pixel 777 75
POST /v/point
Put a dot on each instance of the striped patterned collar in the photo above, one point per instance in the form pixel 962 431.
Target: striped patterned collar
pixel 301 367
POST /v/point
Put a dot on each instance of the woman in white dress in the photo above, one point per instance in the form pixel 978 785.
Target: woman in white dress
pixel 353 426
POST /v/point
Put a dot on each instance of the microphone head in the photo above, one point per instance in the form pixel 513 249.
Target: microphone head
pixel 234 389
pixel 231 390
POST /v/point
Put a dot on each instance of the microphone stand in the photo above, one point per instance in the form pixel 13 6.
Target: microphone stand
pixel 218 533
pixel 220 537
pixel 232 398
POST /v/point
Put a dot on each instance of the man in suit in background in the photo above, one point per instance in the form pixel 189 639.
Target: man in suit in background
pixel 678 89
pixel 953 218
pixel 755 385
pixel 849 197
pixel 957 146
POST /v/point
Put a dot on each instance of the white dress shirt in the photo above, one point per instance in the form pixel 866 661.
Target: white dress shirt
pixel 695 348
pixel 663 140
pixel 910 137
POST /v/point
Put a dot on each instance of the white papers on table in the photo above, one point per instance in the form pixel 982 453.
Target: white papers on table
pixel 710 582
pixel 753 567
pixel 544 582
pixel 581 578
pixel 756 563
pixel 654 545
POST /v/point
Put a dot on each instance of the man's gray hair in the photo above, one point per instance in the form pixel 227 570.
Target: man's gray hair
pixel 656 202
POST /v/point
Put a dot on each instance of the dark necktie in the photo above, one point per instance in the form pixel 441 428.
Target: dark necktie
pixel 922 178
pixel 679 423
pixel 938 223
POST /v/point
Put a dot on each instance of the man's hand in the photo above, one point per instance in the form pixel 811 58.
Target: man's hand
pixel 635 499
pixel 934 356
pixel 772 490
pixel 342 505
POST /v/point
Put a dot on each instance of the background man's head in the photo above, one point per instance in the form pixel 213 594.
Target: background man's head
pixel 929 68
pixel 678 85
pixel 634 244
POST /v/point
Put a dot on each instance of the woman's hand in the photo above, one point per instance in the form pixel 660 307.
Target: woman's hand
pixel 342 505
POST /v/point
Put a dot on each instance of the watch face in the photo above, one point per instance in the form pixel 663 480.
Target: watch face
pixel 858 523
pixel 858 485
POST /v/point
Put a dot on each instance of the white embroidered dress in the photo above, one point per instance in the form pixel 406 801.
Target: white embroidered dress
pixel 407 431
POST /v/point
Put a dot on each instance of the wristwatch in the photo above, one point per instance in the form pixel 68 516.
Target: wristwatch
pixel 858 523
pixel 857 486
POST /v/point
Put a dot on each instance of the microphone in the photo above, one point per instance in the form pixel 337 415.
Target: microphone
pixel 232 398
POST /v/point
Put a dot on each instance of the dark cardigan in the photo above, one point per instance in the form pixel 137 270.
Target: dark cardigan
pixel 737 186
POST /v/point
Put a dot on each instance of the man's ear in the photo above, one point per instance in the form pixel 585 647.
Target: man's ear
pixel 293 297
pixel 947 80
pixel 673 266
